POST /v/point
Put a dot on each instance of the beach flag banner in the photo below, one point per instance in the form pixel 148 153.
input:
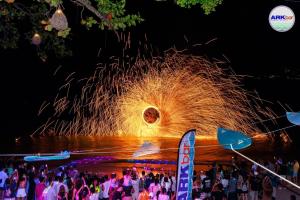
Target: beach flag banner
pixel 293 117
pixel 60 156
pixel 185 166
pixel 233 139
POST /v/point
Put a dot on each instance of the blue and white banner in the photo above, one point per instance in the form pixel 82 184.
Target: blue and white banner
pixel 185 166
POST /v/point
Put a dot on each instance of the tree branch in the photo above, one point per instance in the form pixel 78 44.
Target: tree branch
pixel 87 4
pixel 24 9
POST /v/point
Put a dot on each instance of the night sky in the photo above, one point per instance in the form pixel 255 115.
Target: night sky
pixel 240 30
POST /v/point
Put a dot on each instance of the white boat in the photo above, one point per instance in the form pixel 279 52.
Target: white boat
pixel 146 149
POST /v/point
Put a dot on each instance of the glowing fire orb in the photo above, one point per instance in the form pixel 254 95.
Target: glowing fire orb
pixel 151 115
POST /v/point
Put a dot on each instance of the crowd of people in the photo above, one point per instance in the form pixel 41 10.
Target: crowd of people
pixel 239 181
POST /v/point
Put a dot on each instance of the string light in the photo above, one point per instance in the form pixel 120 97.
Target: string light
pixel 59 20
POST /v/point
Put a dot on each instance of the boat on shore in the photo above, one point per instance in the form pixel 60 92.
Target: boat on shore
pixel 60 156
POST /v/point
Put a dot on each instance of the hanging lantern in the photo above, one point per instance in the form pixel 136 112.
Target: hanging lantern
pixel 10 1
pixel 36 39
pixel 59 20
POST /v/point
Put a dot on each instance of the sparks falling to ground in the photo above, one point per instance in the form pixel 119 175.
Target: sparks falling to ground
pixel 163 96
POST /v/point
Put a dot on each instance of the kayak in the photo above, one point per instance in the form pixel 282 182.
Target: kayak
pixel 61 156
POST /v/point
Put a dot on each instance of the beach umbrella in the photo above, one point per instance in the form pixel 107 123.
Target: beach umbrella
pixel 233 139
pixel 293 117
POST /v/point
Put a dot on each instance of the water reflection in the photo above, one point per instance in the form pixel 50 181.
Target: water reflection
pixel 124 147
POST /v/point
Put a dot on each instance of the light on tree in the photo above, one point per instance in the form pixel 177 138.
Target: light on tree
pixel 36 39
pixel 59 20
pixel 10 1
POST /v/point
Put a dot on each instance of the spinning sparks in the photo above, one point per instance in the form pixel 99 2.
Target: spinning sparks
pixel 158 97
